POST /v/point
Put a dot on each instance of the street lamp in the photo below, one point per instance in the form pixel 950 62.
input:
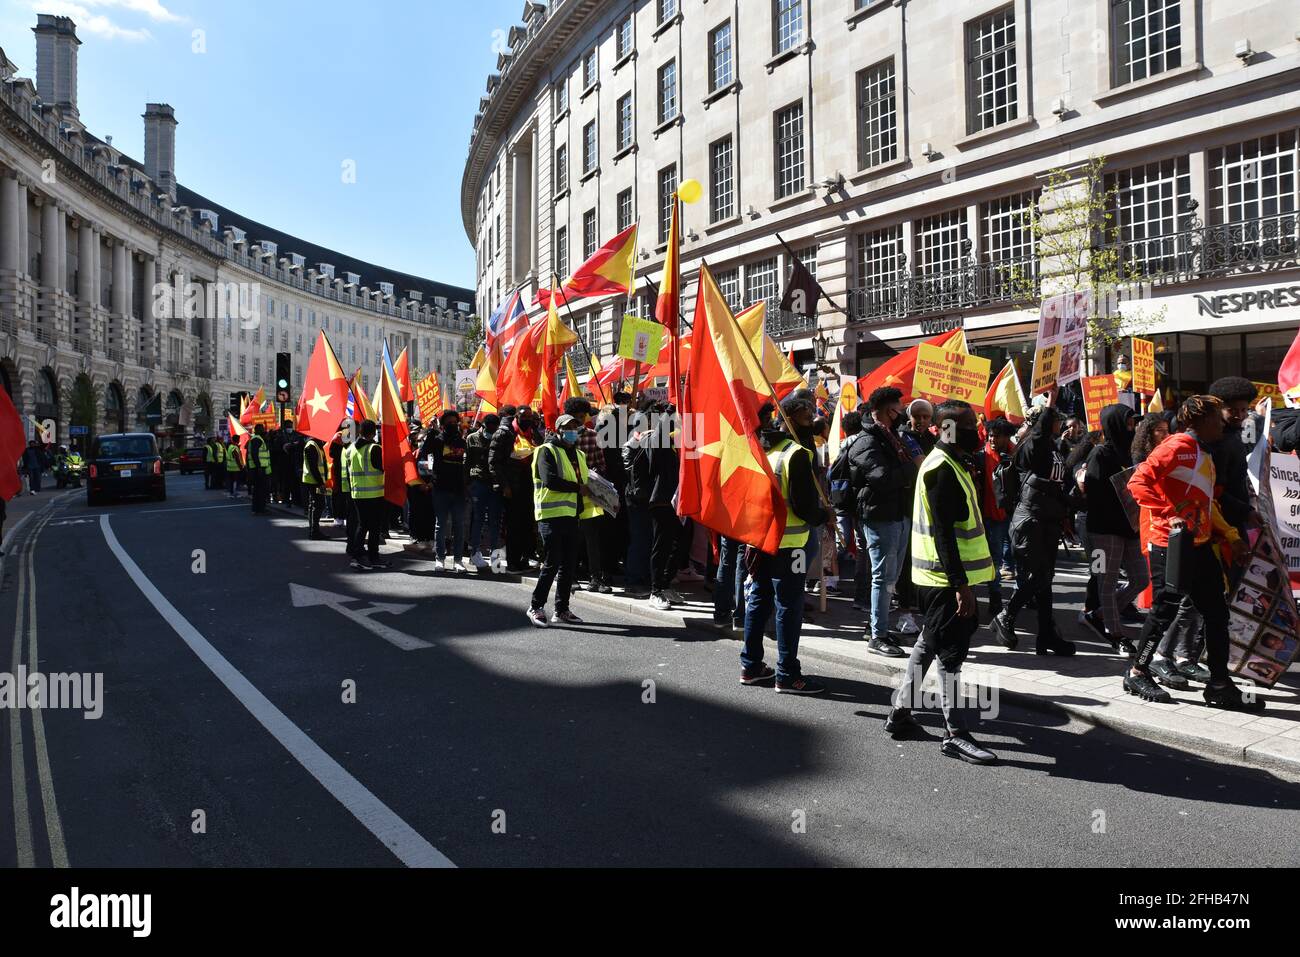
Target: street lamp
pixel 820 345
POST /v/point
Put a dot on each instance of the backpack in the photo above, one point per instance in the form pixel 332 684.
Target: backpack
pixel 1006 484
pixel 840 479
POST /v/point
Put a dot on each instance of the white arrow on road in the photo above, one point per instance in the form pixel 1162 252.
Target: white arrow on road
pixel 304 597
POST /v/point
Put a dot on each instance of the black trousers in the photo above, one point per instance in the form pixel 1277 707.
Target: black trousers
pixel 1206 594
pixel 315 509
pixel 261 489
pixel 593 530
pixel 560 539
pixel 1035 543
pixel 368 527
pixel 666 538
pixel 421 518
pixel 521 528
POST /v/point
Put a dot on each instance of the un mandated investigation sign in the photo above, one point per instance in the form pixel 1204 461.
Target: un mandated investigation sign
pixel 945 374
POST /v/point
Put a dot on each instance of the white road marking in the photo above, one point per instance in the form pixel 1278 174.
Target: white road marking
pixel 395 834
pixel 304 597
pixel 17 763
pixel 173 511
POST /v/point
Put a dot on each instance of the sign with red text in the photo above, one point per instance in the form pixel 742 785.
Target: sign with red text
pixel 1144 366
pixel 946 374
pixel 1099 391
pixel 428 396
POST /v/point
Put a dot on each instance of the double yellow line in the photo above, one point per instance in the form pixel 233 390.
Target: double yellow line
pixel 26 603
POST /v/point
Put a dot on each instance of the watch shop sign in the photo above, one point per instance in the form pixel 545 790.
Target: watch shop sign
pixel 1248 300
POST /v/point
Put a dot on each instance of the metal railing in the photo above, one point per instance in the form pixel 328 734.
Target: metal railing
pixel 971 285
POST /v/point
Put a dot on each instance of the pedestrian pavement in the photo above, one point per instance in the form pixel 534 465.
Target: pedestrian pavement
pixel 1087 686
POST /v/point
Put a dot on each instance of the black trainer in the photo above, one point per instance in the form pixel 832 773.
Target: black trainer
pixel 1167 673
pixel 961 745
pixel 1091 620
pixel 902 723
pixel 757 674
pixel 1003 632
pixel 1230 698
pixel 882 646
pixel 1054 644
pixel 1143 687
pixel 798 684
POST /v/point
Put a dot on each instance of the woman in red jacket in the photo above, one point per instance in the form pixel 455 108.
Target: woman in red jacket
pixel 1177 484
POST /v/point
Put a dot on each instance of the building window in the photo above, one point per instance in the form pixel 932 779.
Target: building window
pixel 588 234
pixel 257 370
pixel 562 251
pixel 590 148
pixel 729 285
pixel 789 151
pixel 877 116
pixel 1256 180
pixel 880 270
pixel 561 103
pixel 667 9
pixel 1007 243
pixel 589 71
pixel 721 71
pixel 722 194
pixel 623 38
pixel 227 365
pixel 787 24
pixel 1146 38
pixel 991 70
pixel 561 169
pixel 243 369
pixel 623 130
pixel 668 92
pixel 761 282
pixel 624 210
pixel 1150 208
pixel 667 198
pixel 939 242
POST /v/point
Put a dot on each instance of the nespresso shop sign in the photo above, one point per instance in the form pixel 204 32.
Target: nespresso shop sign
pixel 1279 297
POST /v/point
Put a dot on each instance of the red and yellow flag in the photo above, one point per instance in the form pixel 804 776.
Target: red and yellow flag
pixel 901 369
pixel 361 407
pixel 726 483
pixel 1005 398
pixel 324 400
pixel 238 431
pixel 402 369
pixel 521 374
pixel 555 345
pixel 608 272
pixel 399 460
pixel 485 386
pixel 668 306
pixel 779 369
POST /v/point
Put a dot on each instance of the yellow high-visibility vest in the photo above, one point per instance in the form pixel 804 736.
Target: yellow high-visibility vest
pixel 233 464
pixel 797 531
pixel 549 504
pixel 972 544
pixel 365 480
pixel 321 462
pixel 259 457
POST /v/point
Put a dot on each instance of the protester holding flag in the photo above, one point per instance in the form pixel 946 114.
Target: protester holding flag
pixel 510 464
pixel 883 475
pixel 1177 483
pixel 1036 528
pixel 950 554
pixel 446 459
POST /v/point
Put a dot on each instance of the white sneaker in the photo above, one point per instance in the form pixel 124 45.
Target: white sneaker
pixel 449 564
pixel 478 561
pixel 660 603
pixel 907 624
pixel 538 617
pixel 467 565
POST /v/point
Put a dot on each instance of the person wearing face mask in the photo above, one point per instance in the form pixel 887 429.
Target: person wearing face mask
pixel 882 471
pixel 1177 483
pixel 559 472
pixel 1036 527
pixel 950 555
pixel 510 456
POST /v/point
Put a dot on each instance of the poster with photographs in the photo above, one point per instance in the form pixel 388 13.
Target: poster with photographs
pixel 1062 329
pixel 1263 625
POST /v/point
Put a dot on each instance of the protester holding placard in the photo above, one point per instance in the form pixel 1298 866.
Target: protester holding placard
pixel 1036 530
pixel 1177 484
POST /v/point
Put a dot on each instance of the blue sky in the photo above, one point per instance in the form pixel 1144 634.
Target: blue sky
pixel 286 92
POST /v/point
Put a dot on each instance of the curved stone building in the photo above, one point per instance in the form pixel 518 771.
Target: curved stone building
pixel 904 148
pixel 123 291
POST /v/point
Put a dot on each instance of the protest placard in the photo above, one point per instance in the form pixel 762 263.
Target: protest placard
pixel 1099 391
pixel 641 339
pixel 946 374
pixel 1144 366
pixel 428 398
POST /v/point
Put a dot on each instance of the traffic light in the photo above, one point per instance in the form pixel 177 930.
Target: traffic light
pixel 283 371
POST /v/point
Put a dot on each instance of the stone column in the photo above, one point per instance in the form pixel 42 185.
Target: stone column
pixel 61 234
pixel 51 256
pixel 85 263
pixel 9 244
pixel 24 250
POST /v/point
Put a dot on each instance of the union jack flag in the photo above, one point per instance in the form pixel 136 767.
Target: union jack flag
pixel 507 322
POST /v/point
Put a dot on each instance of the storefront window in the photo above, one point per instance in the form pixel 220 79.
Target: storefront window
pixel 1193 374
pixel 1265 352
pixel 1226 352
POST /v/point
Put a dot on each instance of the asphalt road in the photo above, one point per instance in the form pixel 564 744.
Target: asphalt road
pixel 494 744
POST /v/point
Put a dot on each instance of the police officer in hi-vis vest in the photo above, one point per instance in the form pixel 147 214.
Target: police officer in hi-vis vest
pixel 365 476
pixel 559 499
pixel 259 469
pixel 315 482
pixel 234 466
pixel 778 580
pixel 950 555
pixel 213 464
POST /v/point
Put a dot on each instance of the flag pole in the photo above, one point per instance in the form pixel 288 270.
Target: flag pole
pixel 785 419
pixel 831 302
pixel 578 332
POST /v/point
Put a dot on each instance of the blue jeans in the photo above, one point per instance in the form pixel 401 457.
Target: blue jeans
pixel 449 507
pixel 636 573
pixel 886 544
pixel 729 596
pixel 776 582
pixel 486 506
pixel 999 537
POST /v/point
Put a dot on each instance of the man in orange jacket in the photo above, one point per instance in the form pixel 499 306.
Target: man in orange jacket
pixel 1177 483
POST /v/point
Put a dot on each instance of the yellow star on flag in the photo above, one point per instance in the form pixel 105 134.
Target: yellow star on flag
pixel 319 403
pixel 733 449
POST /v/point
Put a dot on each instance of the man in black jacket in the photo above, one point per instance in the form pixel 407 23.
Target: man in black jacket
pixel 510 458
pixel 883 472
pixel 485 499
pixel 1230 452
pixel 1036 530
pixel 661 450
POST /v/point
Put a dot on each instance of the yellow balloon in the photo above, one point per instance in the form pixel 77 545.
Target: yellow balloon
pixel 690 191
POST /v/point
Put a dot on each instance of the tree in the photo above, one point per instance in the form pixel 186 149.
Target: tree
pixel 474 339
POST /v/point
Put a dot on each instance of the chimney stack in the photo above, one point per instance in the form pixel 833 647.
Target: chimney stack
pixel 160 146
pixel 56 62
